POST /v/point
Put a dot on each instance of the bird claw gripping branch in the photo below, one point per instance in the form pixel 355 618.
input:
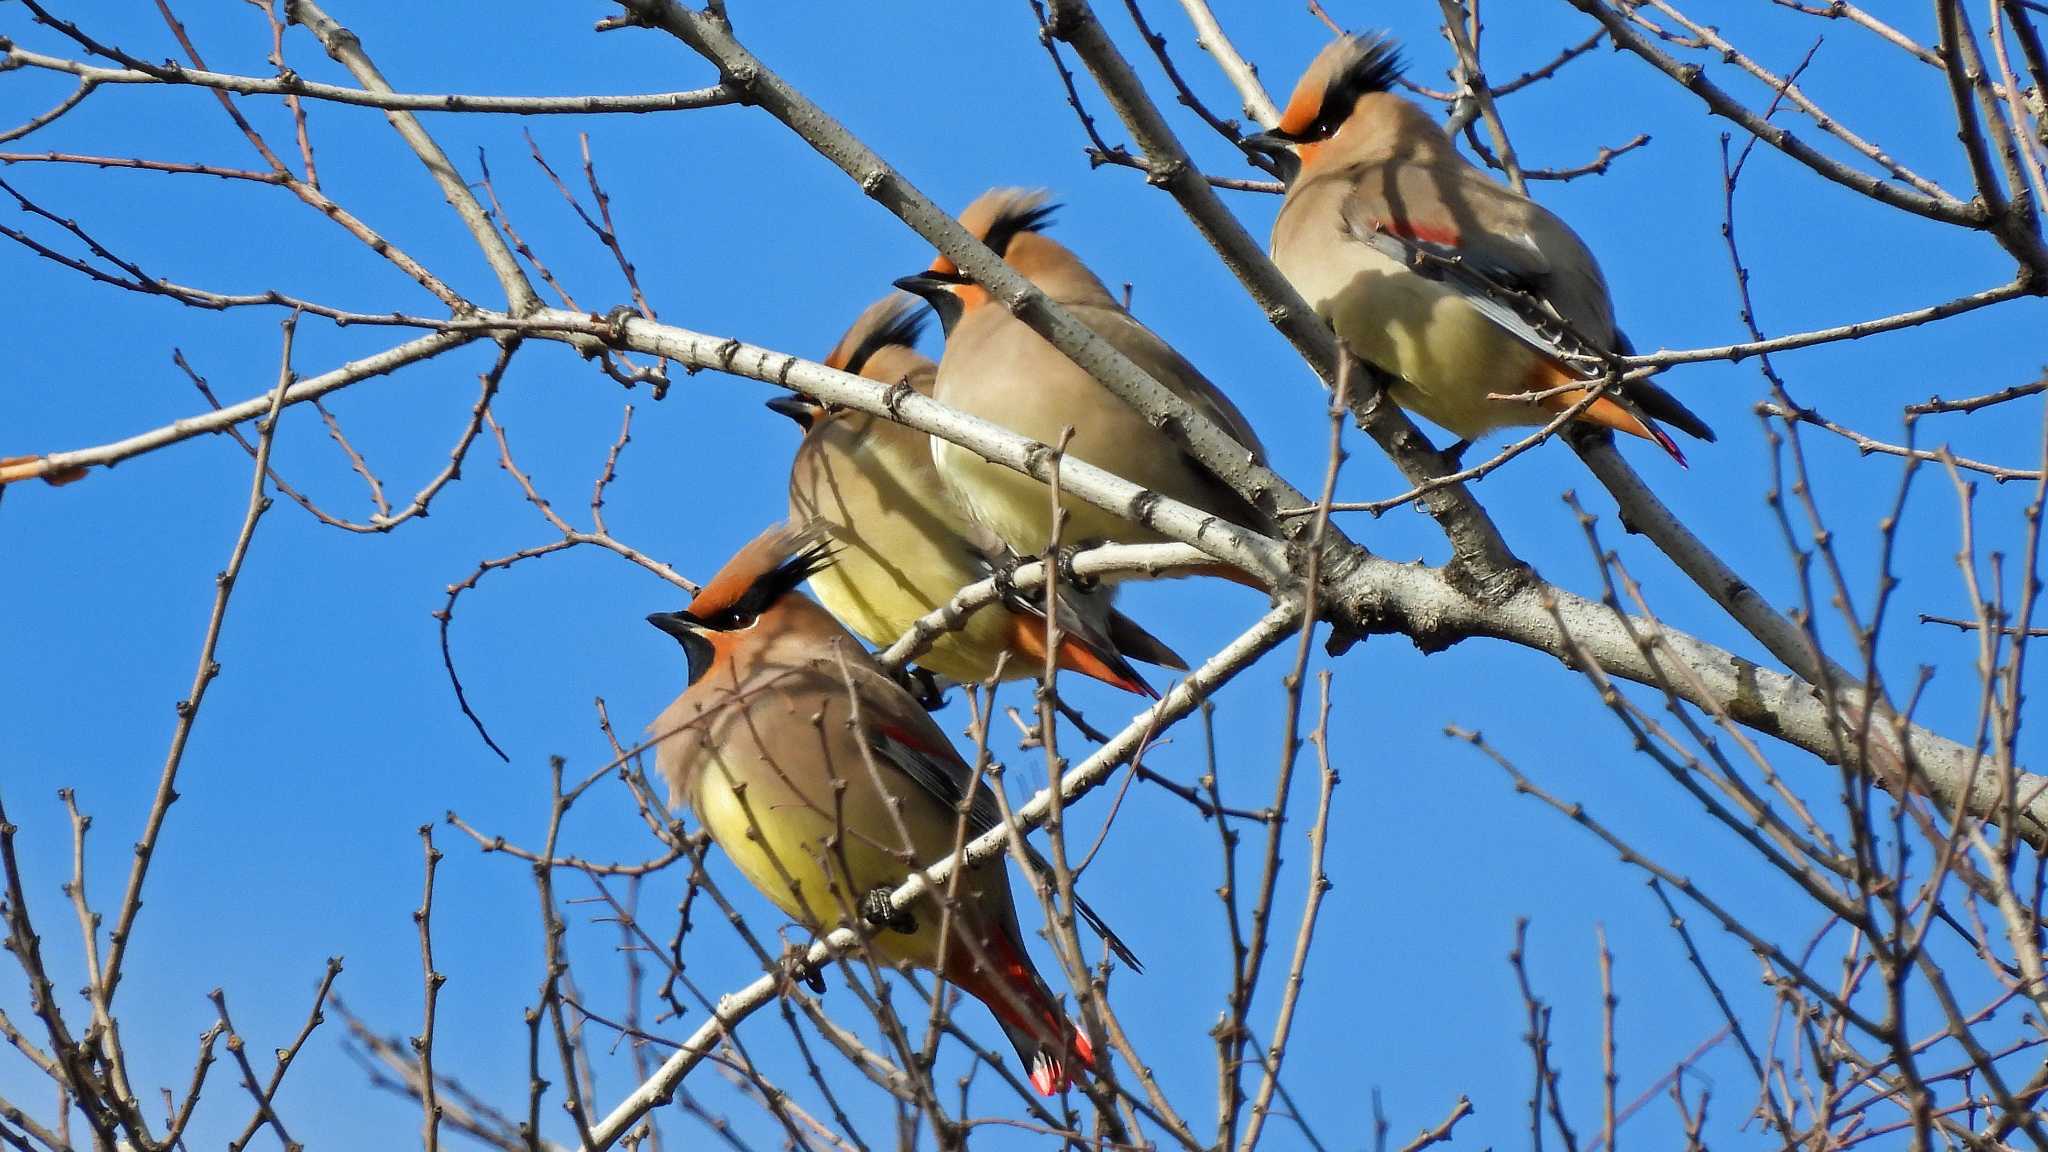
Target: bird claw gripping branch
pixel 927 687
pixel 876 909
pixel 1063 567
pixel 798 969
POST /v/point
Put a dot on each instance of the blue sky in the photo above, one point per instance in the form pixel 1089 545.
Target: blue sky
pixel 332 732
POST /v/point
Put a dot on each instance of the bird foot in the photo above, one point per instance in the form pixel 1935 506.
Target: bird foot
pixel 797 968
pixel 1002 571
pixel 615 323
pixel 926 687
pixel 1063 566
pixel 876 909
pixel 1453 457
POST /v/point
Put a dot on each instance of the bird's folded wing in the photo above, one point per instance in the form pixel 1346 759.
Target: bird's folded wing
pixel 937 771
pixel 1502 281
pixel 945 776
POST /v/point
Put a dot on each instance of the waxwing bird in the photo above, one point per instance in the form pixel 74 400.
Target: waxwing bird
pixel 816 773
pixel 1434 272
pixel 902 548
pixel 997 368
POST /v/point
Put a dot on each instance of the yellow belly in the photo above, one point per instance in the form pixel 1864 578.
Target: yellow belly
pixel 879 597
pixel 1018 508
pixel 779 843
pixel 899 553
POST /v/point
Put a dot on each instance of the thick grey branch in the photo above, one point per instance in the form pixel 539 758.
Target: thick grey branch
pixel 1367 594
pixel 1227 542
pixel 1209 444
pixel 1421 604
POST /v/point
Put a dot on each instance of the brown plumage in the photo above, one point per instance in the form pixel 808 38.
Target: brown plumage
pixel 1403 246
pixel 997 368
pixel 901 546
pixel 813 770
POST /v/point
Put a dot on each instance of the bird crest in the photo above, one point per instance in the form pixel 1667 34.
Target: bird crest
pixel 897 319
pixel 999 216
pixel 767 569
pixel 1350 67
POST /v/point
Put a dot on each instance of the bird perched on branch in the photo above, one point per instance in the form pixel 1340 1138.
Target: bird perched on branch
pixel 825 781
pixel 1436 273
pixel 995 367
pixel 901 546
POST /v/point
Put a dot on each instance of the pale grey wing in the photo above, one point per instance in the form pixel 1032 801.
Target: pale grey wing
pixel 1570 282
pixel 942 775
pixel 1170 368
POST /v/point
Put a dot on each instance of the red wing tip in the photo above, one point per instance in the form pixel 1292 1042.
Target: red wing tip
pixel 1665 442
pixel 1083 1050
pixel 1047 1076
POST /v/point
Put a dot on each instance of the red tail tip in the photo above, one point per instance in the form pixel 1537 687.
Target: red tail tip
pixel 1076 656
pixel 1049 1072
pixel 1047 1076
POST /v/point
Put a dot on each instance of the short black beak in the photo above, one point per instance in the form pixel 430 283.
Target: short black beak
pixel 924 285
pixel 938 292
pixel 801 409
pixel 1279 152
pixel 675 624
pixel 1269 143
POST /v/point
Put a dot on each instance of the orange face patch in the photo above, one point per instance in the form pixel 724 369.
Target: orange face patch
pixel 971 296
pixel 1302 108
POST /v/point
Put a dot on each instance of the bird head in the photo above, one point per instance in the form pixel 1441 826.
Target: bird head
pixel 997 218
pixel 756 587
pixel 893 322
pixel 1328 95
pixel 881 345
